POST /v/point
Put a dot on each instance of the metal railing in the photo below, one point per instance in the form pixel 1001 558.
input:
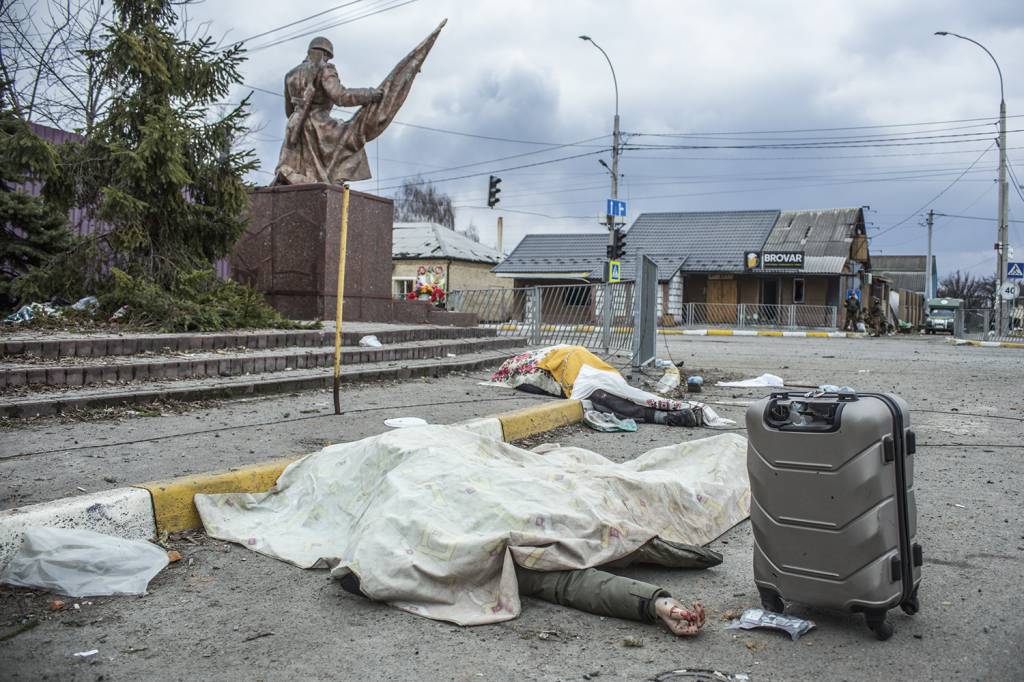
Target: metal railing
pixel 544 315
pixel 753 316
pixel 980 324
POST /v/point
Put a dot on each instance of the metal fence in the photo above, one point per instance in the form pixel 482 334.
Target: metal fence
pixel 753 316
pixel 981 324
pixel 543 315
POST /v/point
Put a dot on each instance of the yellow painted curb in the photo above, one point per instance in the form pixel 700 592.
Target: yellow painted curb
pixel 173 509
pixel 719 332
pixel 818 335
pixel 533 420
pixel 760 333
pixel 994 344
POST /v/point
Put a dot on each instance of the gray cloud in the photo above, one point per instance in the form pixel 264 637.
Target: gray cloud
pixel 517 70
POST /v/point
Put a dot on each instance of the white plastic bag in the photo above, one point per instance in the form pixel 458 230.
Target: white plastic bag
pixel 370 341
pixel 83 563
pixel 669 380
pixel 763 381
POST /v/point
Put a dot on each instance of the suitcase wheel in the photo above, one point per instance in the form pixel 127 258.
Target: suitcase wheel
pixel 771 600
pixel 879 625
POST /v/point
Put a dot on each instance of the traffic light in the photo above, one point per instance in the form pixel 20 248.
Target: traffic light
pixel 492 191
pixel 618 246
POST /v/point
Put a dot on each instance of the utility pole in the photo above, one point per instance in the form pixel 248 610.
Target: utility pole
pixel 928 263
pixel 1003 237
pixel 1002 319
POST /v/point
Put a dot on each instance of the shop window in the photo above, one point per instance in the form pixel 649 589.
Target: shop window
pixel 798 291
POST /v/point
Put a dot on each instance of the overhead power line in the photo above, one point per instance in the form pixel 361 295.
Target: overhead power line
pixel 300 21
pixel 320 29
pixel 944 190
pixel 822 130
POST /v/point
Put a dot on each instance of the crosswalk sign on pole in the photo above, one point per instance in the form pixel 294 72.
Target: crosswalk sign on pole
pixel 614 271
pixel 1015 271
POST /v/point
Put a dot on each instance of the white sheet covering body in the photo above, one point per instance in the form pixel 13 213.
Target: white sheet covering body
pixel 431 519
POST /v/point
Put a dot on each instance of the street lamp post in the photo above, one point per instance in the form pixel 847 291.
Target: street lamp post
pixel 615 147
pixel 1003 247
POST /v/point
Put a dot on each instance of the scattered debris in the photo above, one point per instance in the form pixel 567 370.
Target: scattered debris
pixel 258 635
pixel 86 654
pixel 700 674
pixel 370 341
pixel 82 563
pixel 547 634
pixel 134 650
pixel 173 555
pixel 755 645
pixel 694 384
pixel 606 421
pixel 759 618
pixel 57 604
pixel 635 642
pixel 669 380
pixel 763 381
pixel 731 614
pixel 18 629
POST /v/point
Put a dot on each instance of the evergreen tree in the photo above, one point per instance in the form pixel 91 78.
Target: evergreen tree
pixel 157 167
pixel 31 228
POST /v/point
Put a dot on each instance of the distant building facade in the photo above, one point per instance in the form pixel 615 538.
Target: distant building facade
pixel 442 256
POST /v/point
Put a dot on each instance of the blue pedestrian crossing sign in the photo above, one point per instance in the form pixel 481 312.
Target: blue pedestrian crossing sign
pixel 616 208
pixel 1015 271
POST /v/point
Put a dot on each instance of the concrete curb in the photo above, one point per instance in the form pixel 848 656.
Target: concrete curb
pixel 146 510
pixel 758 332
pixel 985 344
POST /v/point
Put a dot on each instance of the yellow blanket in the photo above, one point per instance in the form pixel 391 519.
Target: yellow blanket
pixel 564 364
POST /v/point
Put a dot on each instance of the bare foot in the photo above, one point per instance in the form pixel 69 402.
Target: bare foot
pixel 680 620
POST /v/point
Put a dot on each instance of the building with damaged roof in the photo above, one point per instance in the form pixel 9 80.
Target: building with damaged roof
pixel 443 256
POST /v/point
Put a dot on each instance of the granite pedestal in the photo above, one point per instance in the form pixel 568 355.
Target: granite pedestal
pixel 289 253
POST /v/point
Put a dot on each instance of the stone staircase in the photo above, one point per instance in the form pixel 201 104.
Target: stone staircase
pixel 55 373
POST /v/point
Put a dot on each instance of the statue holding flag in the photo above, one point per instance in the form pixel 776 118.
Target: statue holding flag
pixel 319 148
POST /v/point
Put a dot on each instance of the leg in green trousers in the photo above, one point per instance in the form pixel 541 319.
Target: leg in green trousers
pixel 607 594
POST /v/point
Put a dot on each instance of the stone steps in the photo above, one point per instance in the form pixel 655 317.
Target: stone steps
pixel 92 346
pixel 76 372
pixel 49 402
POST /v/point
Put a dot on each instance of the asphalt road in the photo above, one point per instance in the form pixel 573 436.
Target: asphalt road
pixel 226 613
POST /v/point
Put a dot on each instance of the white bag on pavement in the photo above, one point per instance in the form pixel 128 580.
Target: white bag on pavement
pixel 763 381
pixel 370 341
pixel 83 563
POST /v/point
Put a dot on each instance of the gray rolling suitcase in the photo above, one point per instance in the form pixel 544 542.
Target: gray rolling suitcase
pixel 833 511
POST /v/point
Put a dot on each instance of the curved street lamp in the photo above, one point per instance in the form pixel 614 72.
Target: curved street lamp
pixel 1003 233
pixel 615 127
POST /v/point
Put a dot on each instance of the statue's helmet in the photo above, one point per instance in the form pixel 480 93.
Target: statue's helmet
pixel 321 43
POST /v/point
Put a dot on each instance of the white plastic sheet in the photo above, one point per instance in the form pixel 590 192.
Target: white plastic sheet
pixel 763 381
pixel 83 563
pixel 433 519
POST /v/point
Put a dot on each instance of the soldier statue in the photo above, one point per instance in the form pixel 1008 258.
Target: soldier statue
pixel 319 148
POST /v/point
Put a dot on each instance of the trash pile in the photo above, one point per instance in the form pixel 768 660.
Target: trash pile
pixel 574 372
pixel 54 309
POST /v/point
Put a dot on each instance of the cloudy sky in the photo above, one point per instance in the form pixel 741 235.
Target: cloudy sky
pixel 738 105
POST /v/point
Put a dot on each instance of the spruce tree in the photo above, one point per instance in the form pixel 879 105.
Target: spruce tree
pixel 161 171
pixel 159 168
pixel 31 228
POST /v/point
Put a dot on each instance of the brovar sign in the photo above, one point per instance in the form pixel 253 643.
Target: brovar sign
pixel 782 259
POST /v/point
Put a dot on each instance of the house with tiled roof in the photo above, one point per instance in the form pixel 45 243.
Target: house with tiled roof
pixel 443 256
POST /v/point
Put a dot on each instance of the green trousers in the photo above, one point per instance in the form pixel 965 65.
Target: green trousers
pixel 606 594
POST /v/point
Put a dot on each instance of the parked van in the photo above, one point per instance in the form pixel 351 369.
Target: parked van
pixel 941 315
